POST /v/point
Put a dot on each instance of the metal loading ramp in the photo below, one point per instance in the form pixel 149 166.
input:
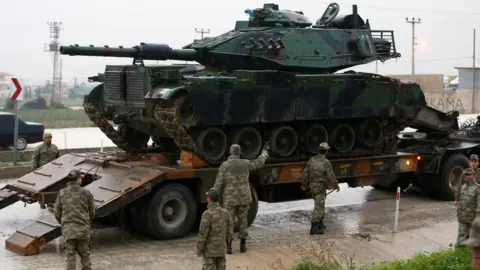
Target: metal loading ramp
pixel 115 185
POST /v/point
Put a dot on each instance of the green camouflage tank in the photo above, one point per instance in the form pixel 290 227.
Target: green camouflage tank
pixel 272 78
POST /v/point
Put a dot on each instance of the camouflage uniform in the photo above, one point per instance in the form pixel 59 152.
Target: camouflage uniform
pixel 474 157
pixel 216 229
pixel 467 197
pixel 44 153
pixel 317 175
pixel 233 183
pixel 74 210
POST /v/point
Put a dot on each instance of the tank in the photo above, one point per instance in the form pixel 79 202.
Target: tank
pixel 275 77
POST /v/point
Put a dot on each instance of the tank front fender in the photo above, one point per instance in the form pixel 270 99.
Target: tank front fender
pixel 164 92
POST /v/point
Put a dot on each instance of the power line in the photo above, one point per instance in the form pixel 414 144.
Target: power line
pixel 202 31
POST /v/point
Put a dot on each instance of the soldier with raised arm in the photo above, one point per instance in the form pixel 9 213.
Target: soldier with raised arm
pixel 317 175
pixel 75 209
pixel 233 183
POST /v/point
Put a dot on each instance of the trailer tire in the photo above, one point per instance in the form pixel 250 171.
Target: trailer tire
pixel 138 221
pixel 451 171
pixel 174 200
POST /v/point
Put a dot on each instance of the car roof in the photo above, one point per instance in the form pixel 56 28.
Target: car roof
pixel 6 113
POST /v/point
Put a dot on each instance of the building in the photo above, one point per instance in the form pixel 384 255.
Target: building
pixel 5 82
pixel 465 78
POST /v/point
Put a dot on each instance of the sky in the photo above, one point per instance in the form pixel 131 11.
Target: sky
pixel 445 33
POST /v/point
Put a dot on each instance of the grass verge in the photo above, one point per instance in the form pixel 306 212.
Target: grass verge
pixel 460 259
pixel 57 118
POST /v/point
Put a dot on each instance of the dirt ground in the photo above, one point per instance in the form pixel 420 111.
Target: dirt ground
pixel 357 229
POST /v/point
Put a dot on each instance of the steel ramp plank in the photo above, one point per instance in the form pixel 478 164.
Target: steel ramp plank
pixel 28 240
pixel 7 197
pixel 47 175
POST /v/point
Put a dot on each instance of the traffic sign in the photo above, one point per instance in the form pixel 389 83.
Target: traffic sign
pixel 16 90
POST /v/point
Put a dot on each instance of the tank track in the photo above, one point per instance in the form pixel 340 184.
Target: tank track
pixel 102 123
pixel 168 117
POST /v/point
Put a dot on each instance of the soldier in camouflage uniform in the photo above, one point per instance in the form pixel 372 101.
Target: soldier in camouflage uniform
pixel 317 175
pixel 474 166
pixel 233 183
pixel 43 154
pixel 75 209
pixel 467 201
pixel 216 229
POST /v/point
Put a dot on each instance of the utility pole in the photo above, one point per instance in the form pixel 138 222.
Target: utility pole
pixel 202 31
pixel 413 22
pixel 54 48
pixel 474 73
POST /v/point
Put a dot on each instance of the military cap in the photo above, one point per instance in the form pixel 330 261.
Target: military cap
pixel 47 135
pixel 324 146
pixel 474 239
pixel 74 174
pixel 474 157
pixel 235 149
pixel 213 194
pixel 469 171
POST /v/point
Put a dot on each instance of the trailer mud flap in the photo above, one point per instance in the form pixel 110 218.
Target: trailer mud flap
pixel 28 240
pixel 116 185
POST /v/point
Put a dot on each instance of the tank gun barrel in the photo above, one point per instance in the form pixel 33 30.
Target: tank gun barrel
pixel 143 51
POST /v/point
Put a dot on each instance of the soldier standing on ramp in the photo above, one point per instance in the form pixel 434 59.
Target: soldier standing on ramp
pixel 467 201
pixel 233 183
pixel 43 154
pixel 74 210
pixel 216 229
pixel 318 173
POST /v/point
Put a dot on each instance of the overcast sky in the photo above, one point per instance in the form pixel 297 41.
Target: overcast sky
pixel 446 31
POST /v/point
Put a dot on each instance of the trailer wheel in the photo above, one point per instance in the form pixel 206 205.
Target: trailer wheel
pixel 171 211
pixel 138 222
pixel 450 176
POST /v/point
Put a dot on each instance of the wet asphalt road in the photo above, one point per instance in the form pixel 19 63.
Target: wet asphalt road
pixel 351 213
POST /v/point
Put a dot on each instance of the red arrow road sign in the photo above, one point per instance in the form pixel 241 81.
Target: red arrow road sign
pixel 18 89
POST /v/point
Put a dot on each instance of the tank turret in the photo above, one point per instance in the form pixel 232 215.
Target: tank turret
pixel 274 39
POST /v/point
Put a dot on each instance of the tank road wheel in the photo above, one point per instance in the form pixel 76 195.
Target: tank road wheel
pixel 171 212
pixel 370 133
pixel 185 111
pixel 315 135
pixel 250 141
pixel 213 143
pixel 342 138
pixel 283 141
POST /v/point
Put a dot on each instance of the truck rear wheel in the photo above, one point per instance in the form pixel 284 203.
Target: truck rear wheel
pixel 171 212
pixel 450 177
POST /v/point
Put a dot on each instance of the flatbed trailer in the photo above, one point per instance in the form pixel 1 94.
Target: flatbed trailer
pixel 161 198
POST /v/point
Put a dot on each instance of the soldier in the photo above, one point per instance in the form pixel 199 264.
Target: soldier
pixel 74 210
pixel 233 183
pixel 216 229
pixel 317 175
pixel 474 165
pixel 43 154
pixel 467 201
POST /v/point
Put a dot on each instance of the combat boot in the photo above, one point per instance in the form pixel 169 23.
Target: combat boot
pixel 243 245
pixel 315 228
pixel 229 247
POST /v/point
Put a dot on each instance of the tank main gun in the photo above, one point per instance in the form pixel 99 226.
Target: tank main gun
pixel 144 51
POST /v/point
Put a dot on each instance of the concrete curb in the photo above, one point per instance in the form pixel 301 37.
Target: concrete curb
pixel 26 156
